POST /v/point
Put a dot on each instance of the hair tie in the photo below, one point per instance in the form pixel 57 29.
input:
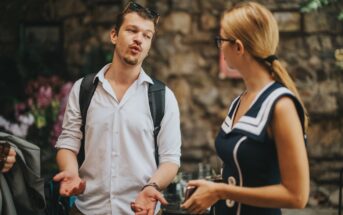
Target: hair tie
pixel 270 58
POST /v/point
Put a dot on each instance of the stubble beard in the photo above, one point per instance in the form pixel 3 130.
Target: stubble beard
pixel 131 60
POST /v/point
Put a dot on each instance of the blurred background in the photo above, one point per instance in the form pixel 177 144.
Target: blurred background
pixel 45 45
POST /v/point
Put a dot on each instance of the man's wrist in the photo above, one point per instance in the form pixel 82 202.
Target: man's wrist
pixel 152 184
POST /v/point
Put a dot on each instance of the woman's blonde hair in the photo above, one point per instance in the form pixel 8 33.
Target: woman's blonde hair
pixel 256 27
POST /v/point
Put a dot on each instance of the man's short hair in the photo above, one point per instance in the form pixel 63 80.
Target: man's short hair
pixel 143 12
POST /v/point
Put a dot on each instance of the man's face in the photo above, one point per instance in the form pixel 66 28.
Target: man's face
pixel 133 41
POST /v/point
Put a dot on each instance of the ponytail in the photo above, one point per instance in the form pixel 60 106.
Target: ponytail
pixel 281 75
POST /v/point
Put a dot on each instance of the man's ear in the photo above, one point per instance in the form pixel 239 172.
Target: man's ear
pixel 239 47
pixel 113 36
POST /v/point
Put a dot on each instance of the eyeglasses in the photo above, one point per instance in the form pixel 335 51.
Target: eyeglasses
pixel 218 40
pixel 133 6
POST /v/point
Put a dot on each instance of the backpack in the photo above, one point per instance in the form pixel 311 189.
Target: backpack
pixel 156 94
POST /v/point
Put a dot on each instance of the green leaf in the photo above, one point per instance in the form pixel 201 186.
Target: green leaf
pixel 40 122
pixel 340 16
pixel 311 5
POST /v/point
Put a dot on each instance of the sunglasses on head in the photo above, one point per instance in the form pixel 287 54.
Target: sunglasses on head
pixel 133 6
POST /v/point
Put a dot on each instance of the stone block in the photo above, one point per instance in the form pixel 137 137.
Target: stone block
pixel 313 43
pixel 334 197
pixel 288 21
pixel 105 14
pixel 190 6
pixel 193 154
pixel 206 96
pixel 65 8
pixel 209 22
pixel 184 63
pixel 319 21
pixel 182 91
pixel 177 22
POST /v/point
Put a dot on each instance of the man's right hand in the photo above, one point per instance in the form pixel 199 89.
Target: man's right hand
pixel 70 184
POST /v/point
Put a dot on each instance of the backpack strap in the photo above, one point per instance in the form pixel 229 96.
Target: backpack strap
pixel 156 94
pixel 87 89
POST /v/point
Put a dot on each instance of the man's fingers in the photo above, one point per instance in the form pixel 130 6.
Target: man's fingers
pixel 65 194
pixel 151 211
pixel 59 176
pixel 141 213
pixel 80 189
pixel 82 186
pixel 138 209
pixel 161 199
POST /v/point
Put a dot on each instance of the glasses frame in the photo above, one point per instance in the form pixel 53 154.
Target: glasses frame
pixel 218 40
pixel 133 6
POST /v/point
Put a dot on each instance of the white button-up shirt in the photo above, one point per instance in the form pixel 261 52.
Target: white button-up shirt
pixel 119 143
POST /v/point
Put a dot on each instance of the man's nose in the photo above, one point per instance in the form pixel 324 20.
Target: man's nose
pixel 138 38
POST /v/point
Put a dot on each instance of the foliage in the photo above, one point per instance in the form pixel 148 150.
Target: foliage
pixel 39 117
pixel 311 5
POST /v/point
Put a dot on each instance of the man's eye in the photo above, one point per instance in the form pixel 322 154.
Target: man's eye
pixel 147 36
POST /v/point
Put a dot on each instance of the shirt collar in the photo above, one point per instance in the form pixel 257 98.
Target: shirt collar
pixel 142 77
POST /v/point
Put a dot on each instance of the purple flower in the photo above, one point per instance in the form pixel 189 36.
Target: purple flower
pixel 44 97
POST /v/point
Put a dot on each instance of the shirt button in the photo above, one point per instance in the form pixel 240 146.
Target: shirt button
pixel 232 181
pixel 230 203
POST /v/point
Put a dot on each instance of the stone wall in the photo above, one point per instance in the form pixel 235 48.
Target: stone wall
pixel 185 57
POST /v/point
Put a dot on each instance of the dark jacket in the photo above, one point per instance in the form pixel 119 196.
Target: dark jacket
pixel 22 188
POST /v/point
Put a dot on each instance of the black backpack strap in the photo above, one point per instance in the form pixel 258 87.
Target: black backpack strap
pixel 156 94
pixel 87 89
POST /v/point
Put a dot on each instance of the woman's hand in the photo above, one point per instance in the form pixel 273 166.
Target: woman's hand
pixel 205 196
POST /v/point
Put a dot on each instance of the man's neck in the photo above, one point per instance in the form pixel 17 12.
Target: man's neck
pixel 121 73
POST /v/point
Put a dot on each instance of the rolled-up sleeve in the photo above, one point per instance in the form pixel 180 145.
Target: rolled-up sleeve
pixel 169 137
pixel 71 134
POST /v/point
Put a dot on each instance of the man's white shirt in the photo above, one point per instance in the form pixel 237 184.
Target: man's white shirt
pixel 119 143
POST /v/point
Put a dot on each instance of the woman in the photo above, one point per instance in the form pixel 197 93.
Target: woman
pixel 262 140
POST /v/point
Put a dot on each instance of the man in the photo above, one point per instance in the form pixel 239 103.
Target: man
pixel 119 166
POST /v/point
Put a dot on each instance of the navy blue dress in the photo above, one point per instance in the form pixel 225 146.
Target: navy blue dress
pixel 248 153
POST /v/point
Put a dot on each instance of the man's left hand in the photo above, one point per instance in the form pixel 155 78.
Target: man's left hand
pixel 146 201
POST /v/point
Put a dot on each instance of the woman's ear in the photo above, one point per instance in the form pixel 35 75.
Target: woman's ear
pixel 239 47
pixel 113 36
